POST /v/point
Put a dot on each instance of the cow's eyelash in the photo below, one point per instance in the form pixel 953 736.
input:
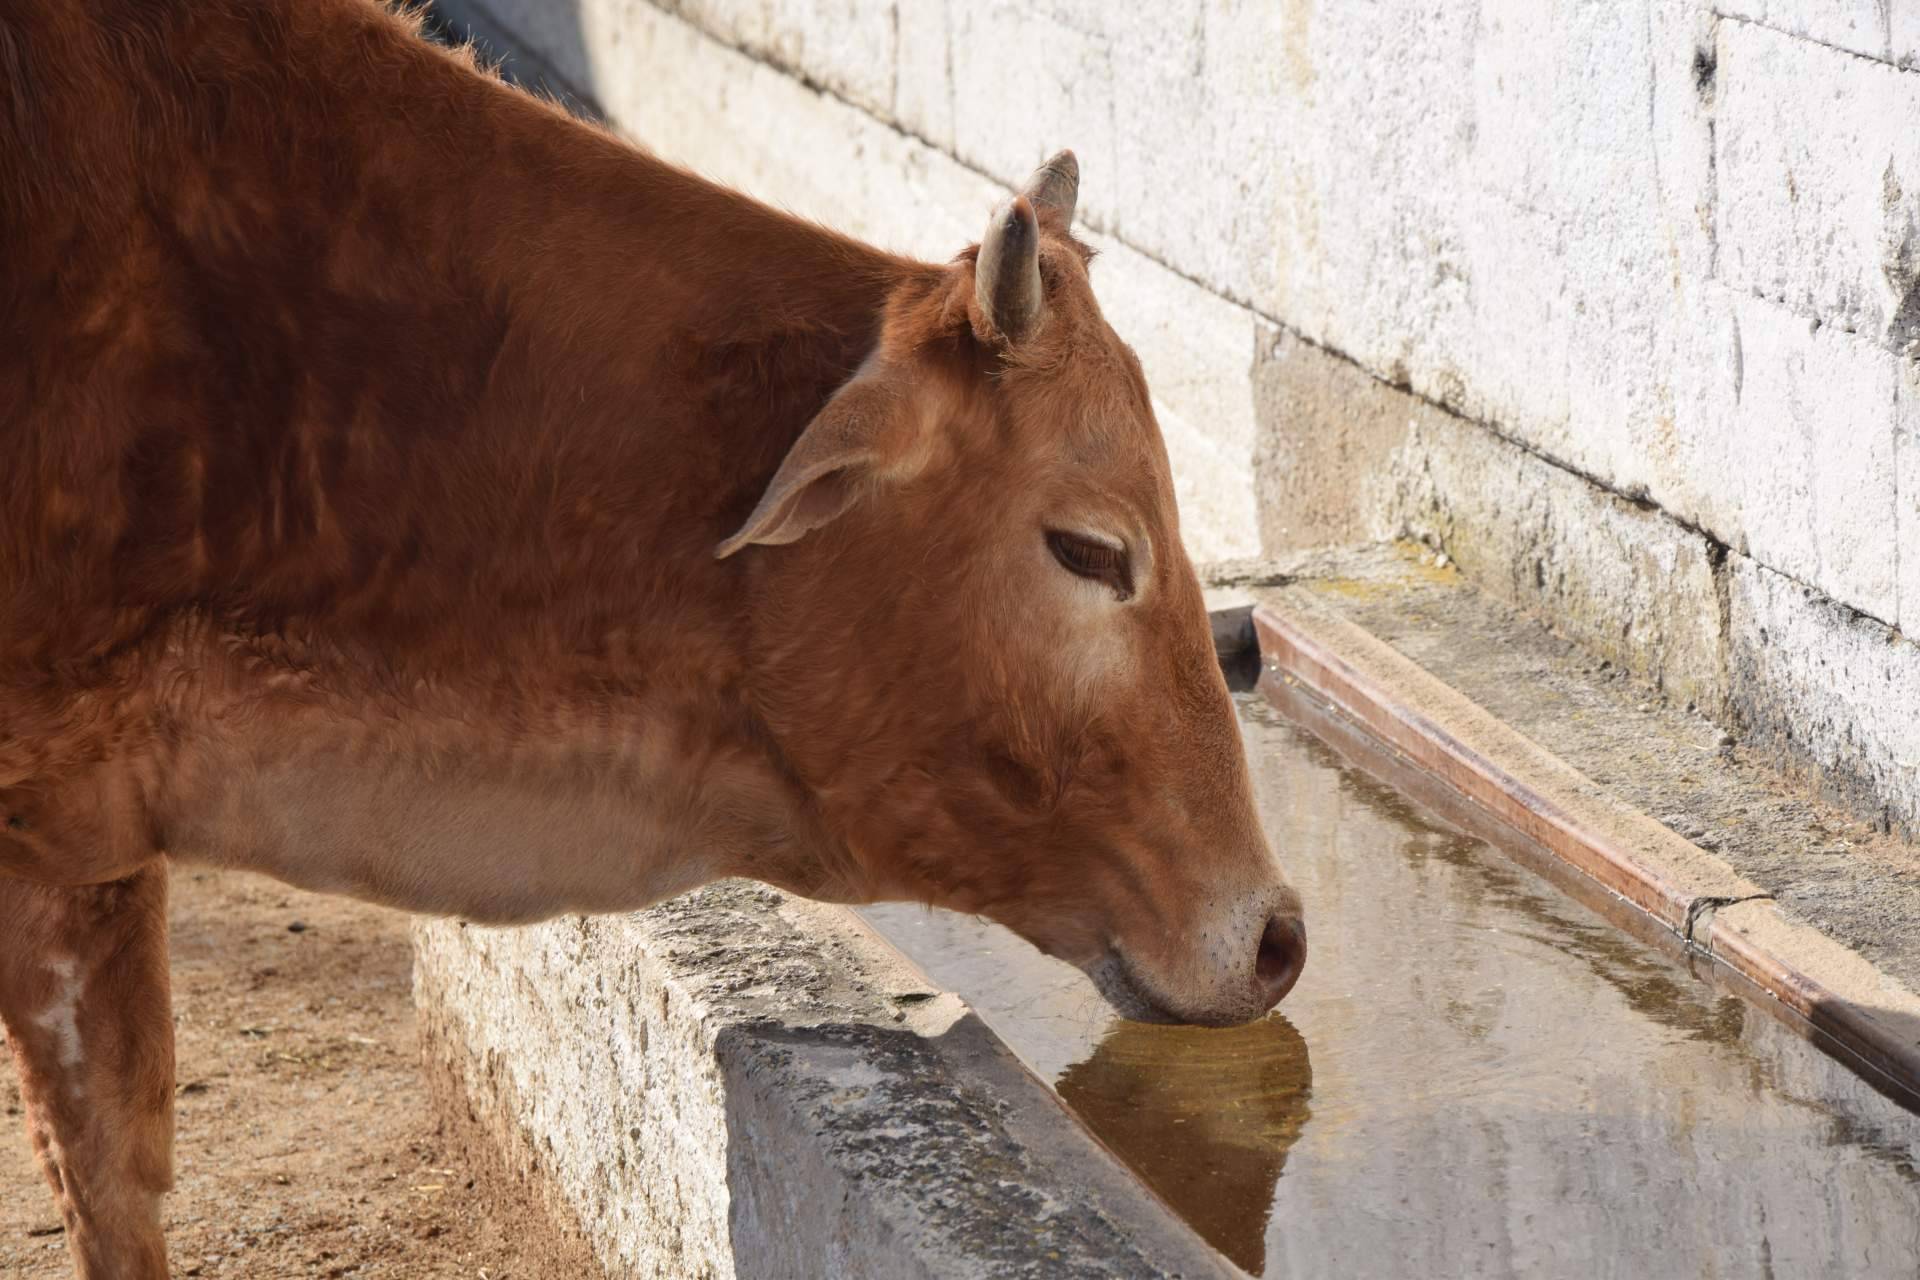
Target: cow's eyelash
pixel 1093 560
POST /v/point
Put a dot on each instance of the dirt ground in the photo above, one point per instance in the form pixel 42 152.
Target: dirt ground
pixel 305 1143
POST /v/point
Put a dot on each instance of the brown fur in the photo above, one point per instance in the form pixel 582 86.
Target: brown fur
pixel 370 429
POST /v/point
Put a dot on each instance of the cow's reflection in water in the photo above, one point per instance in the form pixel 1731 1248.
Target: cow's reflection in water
pixel 1205 1117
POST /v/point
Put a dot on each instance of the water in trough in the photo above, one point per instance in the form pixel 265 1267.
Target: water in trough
pixel 1476 1075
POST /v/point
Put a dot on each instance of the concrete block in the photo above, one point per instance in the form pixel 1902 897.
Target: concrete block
pixel 1025 85
pixel 1858 26
pixel 1377 270
pixel 1621 578
pixel 1819 182
pixel 1194 346
pixel 1592 111
pixel 1329 432
pixel 1200 182
pixel 1632 261
pixel 619 1138
pixel 847 47
pixel 739 1084
pixel 1694 401
pixel 923 95
pixel 1903 34
pixel 1906 436
pixel 1514 361
pixel 1834 694
pixel 1589 229
pixel 1811 454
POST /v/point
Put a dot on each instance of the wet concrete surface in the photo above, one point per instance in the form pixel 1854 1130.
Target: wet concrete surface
pixel 1475 1076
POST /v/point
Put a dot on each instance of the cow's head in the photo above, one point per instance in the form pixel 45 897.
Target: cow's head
pixel 981 647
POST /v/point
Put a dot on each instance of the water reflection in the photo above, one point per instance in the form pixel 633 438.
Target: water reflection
pixel 1651 983
pixel 1205 1117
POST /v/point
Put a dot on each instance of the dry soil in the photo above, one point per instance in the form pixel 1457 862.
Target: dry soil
pixel 305 1143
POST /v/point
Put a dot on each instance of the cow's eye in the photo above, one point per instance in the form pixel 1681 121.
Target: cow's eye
pixel 1098 561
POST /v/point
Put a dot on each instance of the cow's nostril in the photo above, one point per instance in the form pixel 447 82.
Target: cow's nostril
pixel 1283 953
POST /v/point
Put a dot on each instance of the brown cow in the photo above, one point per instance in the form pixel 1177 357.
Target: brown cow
pixel 416 493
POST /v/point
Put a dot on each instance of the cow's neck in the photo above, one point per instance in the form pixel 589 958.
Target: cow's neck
pixel 495 386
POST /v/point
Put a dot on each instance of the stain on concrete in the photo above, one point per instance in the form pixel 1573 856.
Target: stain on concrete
pixel 1297 26
pixel 1705 64
pixel 1327 434
pixel 1900 253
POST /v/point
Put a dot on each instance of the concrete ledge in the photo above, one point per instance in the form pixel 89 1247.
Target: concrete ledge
pixel 738 1083
pixel 1508 788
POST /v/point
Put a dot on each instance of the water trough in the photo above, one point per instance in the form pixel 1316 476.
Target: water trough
pixel 1487 1070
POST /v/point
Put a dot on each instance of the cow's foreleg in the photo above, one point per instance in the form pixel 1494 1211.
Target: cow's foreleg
pixel 83 991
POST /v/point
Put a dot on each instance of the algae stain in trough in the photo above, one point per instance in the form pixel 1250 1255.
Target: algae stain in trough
pixel 1475 1076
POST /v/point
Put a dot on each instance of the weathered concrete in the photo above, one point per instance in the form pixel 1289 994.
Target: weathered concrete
pixel 1903 36
pixel 1906 447
pixel 1808 456
pixel 1819 182
pixel 741 1084
pixel 1856 26
pixel 1827 688
pixel 1328 434
pixel 1622 577
pixel 1829 692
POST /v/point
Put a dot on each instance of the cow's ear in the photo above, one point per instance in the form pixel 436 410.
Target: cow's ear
pixel 851 444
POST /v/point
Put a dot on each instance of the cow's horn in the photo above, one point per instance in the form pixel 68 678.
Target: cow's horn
pixel 1056 184
pixel 1006 277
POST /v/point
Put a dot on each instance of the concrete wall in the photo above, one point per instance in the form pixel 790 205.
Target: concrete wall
pixel 1618 302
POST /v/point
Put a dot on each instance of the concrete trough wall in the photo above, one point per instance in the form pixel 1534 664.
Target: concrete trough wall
pixel 1616 303
pixel 740 1084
